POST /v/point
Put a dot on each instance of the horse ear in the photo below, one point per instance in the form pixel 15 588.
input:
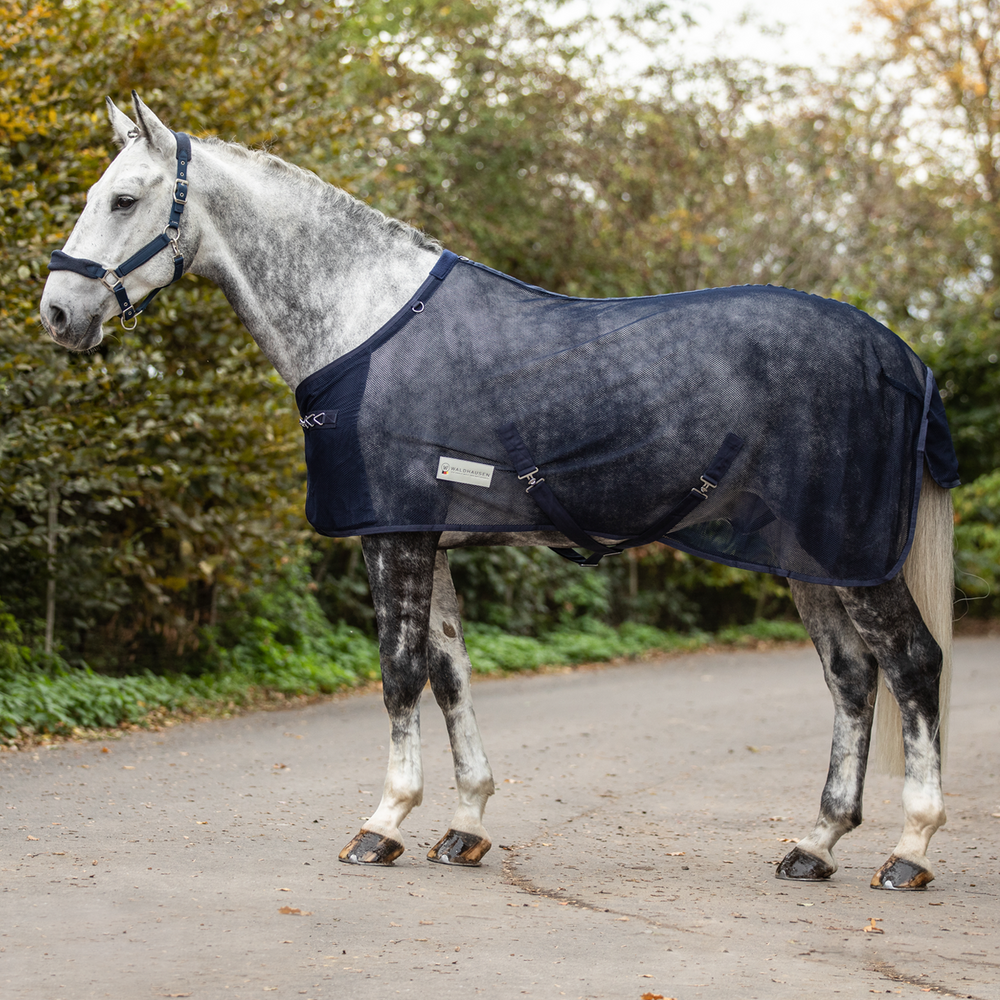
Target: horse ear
pixel 153 130
pixel 123 126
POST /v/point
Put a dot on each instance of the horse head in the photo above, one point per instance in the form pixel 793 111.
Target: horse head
pixel 123 221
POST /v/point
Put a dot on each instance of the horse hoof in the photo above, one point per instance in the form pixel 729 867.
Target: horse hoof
pixel 799 866
pixel 369 848
pixel 898 873
pixel 456 848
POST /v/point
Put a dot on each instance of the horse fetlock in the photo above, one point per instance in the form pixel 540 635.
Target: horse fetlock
pixel 395 806
pixel 475 787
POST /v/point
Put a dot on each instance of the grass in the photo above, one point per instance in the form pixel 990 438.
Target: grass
pixel 56 699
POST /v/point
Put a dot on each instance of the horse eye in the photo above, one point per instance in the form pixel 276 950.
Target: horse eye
pixel 122 202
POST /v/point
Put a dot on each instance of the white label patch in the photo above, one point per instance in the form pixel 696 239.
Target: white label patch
pixel 460 471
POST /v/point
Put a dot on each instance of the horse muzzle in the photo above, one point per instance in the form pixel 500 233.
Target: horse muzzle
pixel 74 318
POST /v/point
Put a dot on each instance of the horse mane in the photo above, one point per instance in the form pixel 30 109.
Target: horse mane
pixel 393 228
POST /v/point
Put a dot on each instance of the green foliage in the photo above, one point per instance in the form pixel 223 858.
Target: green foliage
pixel 493 650
pixel 276 642
pixel 966 363
pixel 280 638
pixel 977 544
pixel 318 660
pixel 13 655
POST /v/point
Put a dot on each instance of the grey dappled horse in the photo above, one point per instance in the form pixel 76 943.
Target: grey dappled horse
pixel 313 273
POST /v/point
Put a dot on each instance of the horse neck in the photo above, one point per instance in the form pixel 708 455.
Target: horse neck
pixel 310 271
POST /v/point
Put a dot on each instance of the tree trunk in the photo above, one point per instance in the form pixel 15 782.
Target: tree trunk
pixel 50 597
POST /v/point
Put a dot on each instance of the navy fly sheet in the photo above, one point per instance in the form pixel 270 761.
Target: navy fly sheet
pixel 755 426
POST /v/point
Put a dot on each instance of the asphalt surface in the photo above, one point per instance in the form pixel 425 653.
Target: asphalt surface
pixel 641 810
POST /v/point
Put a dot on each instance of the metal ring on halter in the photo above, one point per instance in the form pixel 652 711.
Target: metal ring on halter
pixel 174 245
pixel 135 322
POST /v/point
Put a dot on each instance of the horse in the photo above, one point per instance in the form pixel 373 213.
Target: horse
pixel 315 276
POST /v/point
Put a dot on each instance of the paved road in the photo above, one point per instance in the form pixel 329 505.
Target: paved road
pixel 641 808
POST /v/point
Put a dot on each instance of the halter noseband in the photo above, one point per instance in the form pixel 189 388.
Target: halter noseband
pixel 111 277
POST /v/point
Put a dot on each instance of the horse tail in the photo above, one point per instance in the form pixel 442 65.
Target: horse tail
pixel 929 575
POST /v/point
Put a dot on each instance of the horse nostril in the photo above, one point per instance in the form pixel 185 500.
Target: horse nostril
pixel 57 319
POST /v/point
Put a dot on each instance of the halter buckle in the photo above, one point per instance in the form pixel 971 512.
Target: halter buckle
pixel 114 281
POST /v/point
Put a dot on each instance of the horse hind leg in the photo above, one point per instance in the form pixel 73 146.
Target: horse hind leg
pixel 466 841
pixel 401 573
pixel 851 674
pixel 911 661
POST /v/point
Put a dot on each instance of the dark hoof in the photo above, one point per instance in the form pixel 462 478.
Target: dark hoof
pixel 456 848
pixel 798 866
pixel 369 848
pixel 898 873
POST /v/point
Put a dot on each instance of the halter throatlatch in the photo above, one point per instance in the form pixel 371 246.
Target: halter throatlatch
pixel 111 277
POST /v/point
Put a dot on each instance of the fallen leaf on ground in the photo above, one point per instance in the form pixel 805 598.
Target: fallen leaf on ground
pixel 675 854
pixel 175 994
pixel 279 889
pixel 31 838
pixel 280 766
pixel 871 928
pixel 654 996
pixel 295 911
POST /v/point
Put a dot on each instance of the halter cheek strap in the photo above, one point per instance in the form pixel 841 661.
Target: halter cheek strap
pixel 111 277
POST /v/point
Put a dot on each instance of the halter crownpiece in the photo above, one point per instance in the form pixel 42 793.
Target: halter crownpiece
pixel 111 277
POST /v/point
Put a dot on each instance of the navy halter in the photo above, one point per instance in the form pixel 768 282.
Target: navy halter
pixel 112 276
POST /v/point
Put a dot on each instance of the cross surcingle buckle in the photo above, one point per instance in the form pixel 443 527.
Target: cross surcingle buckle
pixel 532 481
pixel 702 491
pixel 322 418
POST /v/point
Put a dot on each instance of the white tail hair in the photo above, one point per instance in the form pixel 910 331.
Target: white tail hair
pixel 929 575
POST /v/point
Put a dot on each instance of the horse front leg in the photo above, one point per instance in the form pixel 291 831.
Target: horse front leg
pixel 466 841
pixel 911 661
pixel 401 575
pixel 851 673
